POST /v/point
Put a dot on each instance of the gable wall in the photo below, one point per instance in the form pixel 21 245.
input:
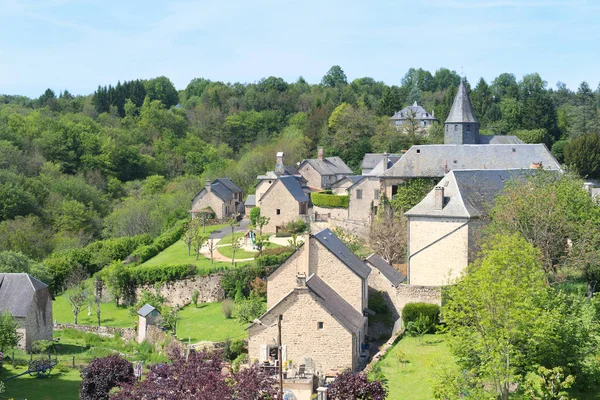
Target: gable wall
pixel 261 188
pixel 312 177
pixel 342 188
pixel 360 209
pixel 279 198
pixel 209 199
pixel 283 280
pixel 38 323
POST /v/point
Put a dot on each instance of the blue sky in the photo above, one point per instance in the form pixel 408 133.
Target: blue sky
pixel 79 44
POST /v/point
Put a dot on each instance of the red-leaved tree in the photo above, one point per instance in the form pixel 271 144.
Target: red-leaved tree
pixel 102 375
pixel 200 377
pixel 349 386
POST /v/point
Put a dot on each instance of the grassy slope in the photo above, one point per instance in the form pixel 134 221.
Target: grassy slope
pixel 111 315
pixel 208 323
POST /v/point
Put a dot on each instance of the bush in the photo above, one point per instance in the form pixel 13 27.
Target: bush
pixel 558 150
pixel 241 277
pixel 583 155
pixel 254 214
pixel 325 200
pixel 227 308
pixel 163 241
pixel 248 310
pixel 232 350
pixel 268 261
pixel 532 136
pixel 412 311
pixel 102 375
pixel 241 359
pixel 296 227
pixel 377 303
pixel 149 275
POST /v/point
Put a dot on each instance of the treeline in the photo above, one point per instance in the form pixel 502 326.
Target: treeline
pixel 127 159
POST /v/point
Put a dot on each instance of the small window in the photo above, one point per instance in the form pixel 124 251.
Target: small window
pixel 359 194
pixel 418 151
pixel 376 193
pixel 278 211
pixel 455 162
pixel 468 128
pixel 514 150
pixel 455 128
pixel 319 325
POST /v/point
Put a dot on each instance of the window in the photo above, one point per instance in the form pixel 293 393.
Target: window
pixel 359 194
pixel 418 151
pixel 455 161
pixel 278 211
pixel 319 325
pixel 455 128
pixel 514 150
pixel 468 128
pixel 376 193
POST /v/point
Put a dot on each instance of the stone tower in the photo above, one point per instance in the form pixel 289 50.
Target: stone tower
pixel 461 127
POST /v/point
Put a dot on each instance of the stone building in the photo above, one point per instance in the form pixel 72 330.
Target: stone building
pixel 30 302
pixel 283 201
pixel 147 316
pixel 445 227
pixel 415 114
pixel 341 187
pixel 322 172
pixel 371 160
pixel 266 180
pixel 222 197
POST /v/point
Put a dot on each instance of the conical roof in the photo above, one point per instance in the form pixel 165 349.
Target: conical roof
pixel 462 110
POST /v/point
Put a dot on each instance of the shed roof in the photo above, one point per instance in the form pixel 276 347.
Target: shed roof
pixel 392 274
pixel 328 166
pixel 145 310
pixel 337 247
pixel 17 293
pixel 431 161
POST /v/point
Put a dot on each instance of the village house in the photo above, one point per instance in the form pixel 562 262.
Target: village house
pixel 283 201
pixel 341 186
pixel 322 172
pixel 445 227
pixel 266 180
pixel 363 199
pixel 319 296
pixel 30 302
pixel 415 114
pixel 221 197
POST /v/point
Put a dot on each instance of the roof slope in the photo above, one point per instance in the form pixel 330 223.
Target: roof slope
pixel 468 194
pixel 431 161
pixel 335 304
pixel 221 191
pixel 17 292
pixel 391 273
pixel 250 200
pixel 229 184
pixel 145 310
pixel 379 169
pixel 462 110
pixel 337 247
pixel 418 112
pixel 370 160
pixel 293 186
pixel 499 139
pixel 328 166
pixel 351 178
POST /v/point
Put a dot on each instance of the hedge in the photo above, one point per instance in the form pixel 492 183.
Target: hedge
pixel 329 200
pixel 148 275
pixel 276 251
pixel 412 311
pixel 166 239
pixel 270 260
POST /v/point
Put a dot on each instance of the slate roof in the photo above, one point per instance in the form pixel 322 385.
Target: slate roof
pixel 17 293
pixel 462 110
pixel 431 161
pixel 337 247
pixel 229 184
pixel 468 193
pixel 418 111
pixel 328 166
pixel 293 186
pixel 352 178
pixel 379 169
pixel 221 191
pixel 370 160
pixel 341 310
pixel 250 200
pixel 392 274
pixel 145 310
pixel 499 139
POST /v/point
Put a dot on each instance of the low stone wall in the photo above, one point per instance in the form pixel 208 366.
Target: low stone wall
pixel 180 292
pixel 329 213
pixel 107 331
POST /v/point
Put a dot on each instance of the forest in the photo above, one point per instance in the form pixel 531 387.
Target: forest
pixel 126 160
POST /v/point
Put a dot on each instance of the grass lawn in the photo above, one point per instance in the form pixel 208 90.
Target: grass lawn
pixel 207 322
pixel 227 251
pixel 412 380
pixel 59 386
pixel 227 238
pixel 177 254
pixel 110 315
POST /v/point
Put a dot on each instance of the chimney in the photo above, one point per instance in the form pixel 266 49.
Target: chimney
pixel 304 267
pixel 279 163
pixel 320 153
pixel 301 280
pixel 536 165
pixel 439 198
pixel 208 185
pixel 385 161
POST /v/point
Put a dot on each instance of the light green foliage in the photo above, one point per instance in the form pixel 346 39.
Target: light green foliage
pixel 558 150
pixel 13 262
pixel 411 193
pixel 254 214
pixel 117 279
pixel 9 337
pixel 195 296
pixel 247 310
pixel 549 384
pixel 532 135
pixel 329 200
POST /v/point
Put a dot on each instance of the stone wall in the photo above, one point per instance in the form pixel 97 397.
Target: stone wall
pixel 326 213
pixel 180 292
pixel 108 331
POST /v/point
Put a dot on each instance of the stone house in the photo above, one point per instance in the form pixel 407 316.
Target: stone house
pixel 283 201
pixel 30 302
pixel 445 227
pixel 222 196
pixel 147 316
pixel 416 113
pixel 363 199
pixel 341 187
pixel 266 180
pixel 322 172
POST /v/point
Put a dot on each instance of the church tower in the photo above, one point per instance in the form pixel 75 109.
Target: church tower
pixel 461 127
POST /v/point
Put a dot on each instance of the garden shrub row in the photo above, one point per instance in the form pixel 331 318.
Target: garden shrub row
pixel 271 260
pixel 166 239
pixel 148 275
pixel 241 278
pixel 329 200
pixel 412 311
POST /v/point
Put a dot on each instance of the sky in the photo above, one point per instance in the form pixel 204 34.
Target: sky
pixel 80 44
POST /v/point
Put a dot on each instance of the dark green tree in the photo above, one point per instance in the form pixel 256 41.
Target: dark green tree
pixel 335 77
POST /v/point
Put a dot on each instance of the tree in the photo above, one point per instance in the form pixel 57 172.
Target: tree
pixel 78 293
pixel 200 376
pixel 388 237
pixel 582 154
pixel 236 244
pixel 9 337
pixel 13 262
pixel 357 387
pixel 335 77
pixel 254 214
pixel 104 374
pixel 211 245
pixel 162 89
pixel 261 240
pixel 390 103
pixel 550 385
pixel 117 279
pixel 195 296
pixel 198 241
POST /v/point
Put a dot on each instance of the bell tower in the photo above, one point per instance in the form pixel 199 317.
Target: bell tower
pixel 461 126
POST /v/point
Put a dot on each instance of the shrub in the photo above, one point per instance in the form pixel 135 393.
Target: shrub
pixel 583 155
pixel 254 214
pixel 166 239
pixel 296 227
pixel 241 277
pixel 148 275
pixel 237 347
pixel 248 310
pixel 102 375
pixel 412 311
pixel 227 308
pixel 558 150
pixel 267 261
pixel 377 302
pixel 241 359
pixel 321 199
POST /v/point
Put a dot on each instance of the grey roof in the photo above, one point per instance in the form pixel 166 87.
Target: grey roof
pixel 468 194
pixel 293 186
pixel 499 139
pixel 379 169
pixel 250 200
pixel 221 191
pixel 418 112
pixel 17 293
pixel 337 247
pixel 229 184
pixel 436 160
pixel 462 110
pixel 335 304
pixel 352 178
pixel 328 166
pixel 145 310
pixel 391 273
pixel 370 160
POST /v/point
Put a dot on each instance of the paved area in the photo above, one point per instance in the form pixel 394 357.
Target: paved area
pixel 220 234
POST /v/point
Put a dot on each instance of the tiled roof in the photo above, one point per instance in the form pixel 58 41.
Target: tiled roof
pixel 371 160
pixel 17 293
pixel 462 110
pixel 352 178
pixel 431 161
pixel 293 186
pixel 392 274
pixel 499 139
pixel 328 166
pixel 337 247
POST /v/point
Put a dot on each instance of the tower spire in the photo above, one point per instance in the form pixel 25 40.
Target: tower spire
pixel 461 126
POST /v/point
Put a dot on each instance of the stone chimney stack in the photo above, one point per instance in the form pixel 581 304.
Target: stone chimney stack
pixel 301 280
pixel 385 161
pixel 439 198
pixel 320 153
pixel 279 163
pixel 208 185
pixel 304 267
